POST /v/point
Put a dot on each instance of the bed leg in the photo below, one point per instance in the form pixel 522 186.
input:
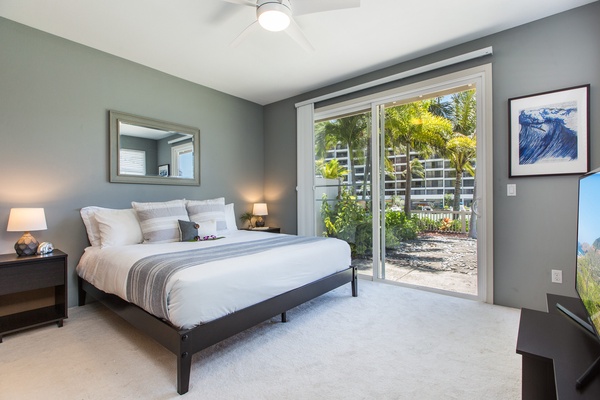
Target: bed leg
pixel 81 293
pixel 284 316
pixel 184 367
pixel 354 282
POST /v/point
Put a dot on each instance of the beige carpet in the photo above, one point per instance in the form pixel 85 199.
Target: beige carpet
pixel 389 343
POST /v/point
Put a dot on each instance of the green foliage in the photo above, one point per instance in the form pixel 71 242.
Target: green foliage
pixel 464 105
pixel 352 221
pixel 412 127
pixel 446 224
pixel 426 223
pixel 331 169
pixel 351 132
pixel 343 220
pixel 588 276
pixel 448 199
pixel 400 226
pixel 247 217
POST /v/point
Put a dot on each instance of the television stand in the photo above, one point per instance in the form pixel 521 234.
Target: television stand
pixel 594 368
pixel 555 352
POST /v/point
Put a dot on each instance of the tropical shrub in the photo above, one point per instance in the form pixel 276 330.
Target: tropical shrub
pixel 352 221
pixel 400 226
pixel 451 225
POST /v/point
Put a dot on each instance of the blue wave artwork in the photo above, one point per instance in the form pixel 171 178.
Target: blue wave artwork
pixel 548 134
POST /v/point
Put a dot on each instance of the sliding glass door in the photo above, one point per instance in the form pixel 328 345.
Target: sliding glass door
pixel 343 174
pixel 427 164
pixel 397 175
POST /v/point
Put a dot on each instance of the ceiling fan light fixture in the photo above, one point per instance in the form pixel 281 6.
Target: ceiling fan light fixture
pixel 274 16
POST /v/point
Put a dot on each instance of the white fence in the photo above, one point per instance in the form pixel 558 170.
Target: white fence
pixel 441 220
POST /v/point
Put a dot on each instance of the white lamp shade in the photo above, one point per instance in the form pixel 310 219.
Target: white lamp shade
pixel 260 209
pixel 26 219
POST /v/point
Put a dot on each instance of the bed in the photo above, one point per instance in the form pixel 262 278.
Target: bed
pixel 189 294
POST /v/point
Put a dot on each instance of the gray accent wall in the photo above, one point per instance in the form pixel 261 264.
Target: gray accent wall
pixel 54 102
pixel 535 231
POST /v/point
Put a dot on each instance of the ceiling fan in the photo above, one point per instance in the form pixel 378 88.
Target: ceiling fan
pixel 278 15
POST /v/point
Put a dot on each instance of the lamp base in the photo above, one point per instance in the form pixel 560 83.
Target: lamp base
pixel 260 222
pixel 26 245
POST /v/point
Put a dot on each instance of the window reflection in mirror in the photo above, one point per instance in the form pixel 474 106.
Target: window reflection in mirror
pixel 144 150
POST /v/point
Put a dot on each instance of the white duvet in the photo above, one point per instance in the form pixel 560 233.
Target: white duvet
pixel 208 291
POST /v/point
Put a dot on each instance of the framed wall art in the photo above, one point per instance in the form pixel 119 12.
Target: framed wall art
pixel 163 170
pixel 549 133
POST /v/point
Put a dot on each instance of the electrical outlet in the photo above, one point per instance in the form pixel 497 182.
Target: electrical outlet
pixel 556 276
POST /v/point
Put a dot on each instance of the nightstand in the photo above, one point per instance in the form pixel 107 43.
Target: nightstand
pixel 269 229
pixel 33 291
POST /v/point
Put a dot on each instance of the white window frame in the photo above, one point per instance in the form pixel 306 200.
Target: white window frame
pixel 177 151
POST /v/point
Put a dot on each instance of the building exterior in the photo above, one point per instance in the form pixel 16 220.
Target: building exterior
pixel 435 189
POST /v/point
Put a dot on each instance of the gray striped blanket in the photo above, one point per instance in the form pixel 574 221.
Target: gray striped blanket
pixel 148 277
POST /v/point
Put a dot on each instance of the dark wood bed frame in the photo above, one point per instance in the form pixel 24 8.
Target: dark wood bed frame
pixel 186 342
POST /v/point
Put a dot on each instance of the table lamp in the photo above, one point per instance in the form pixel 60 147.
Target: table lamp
pixel 260 210
pixel 26 220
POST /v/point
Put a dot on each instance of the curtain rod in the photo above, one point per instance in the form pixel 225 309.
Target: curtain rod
pixel 411 72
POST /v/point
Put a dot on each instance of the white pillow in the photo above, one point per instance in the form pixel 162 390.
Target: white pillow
pixel 208 210
pixel 230 218
pixel 118 227
pixel 159 220
pixel 91 225
pixel 207 228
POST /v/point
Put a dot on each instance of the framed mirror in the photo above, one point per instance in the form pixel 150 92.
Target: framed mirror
pixel 145 150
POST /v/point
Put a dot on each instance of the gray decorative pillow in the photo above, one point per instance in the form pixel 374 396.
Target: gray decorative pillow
pixel 192 231
pixel 159 221
pixel 188 231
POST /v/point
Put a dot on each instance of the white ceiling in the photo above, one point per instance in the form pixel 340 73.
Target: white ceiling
pixel 190 38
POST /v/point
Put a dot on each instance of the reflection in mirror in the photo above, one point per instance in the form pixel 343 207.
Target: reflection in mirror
pixel 144 150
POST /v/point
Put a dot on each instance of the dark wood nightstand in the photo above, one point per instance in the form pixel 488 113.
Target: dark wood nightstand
pixel 33 291
pixel 269 229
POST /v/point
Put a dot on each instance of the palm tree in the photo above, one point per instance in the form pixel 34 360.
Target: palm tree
pixel 464 117
pixel 331 169
pixel 411 127
pixel 350 132
pixel 441 107
pixel 416 169
pixel 461 151
pixel 464 114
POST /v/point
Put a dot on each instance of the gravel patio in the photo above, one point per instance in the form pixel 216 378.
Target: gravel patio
pixel 436 260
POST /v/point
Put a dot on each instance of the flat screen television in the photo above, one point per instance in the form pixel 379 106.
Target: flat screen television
pixel 587 280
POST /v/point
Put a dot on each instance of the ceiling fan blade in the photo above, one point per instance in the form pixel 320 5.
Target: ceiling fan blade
pixel 242 2
pixel 246 32
pixel 295 33
pixel 301 7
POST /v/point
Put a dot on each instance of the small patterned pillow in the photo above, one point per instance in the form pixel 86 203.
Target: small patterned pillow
pixel 192 231
pixel 159 221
